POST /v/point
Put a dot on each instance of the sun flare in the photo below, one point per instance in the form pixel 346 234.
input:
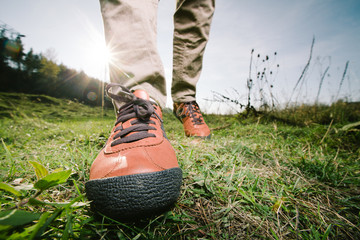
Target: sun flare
pixel 98 57
pixel 96 54
pixel 102 53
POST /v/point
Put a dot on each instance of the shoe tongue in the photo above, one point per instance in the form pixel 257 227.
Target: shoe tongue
pixel 141 94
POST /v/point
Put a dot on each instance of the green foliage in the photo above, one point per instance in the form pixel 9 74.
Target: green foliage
pixel 40 170
pixel 339 112
pixel 15 105
pixel 257 178
pixel 10 189
pixel 16 223
pixel 38 74
pixel 49 69
pixel 17 217
pixel 52 180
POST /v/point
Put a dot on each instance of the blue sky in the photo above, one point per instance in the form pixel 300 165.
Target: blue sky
pixel 73 29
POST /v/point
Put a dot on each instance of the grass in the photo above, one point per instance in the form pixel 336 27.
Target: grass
pixel 257 178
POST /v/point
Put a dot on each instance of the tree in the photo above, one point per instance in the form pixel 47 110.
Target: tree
pixel 32 63
pixel 48 75
pixel 39 73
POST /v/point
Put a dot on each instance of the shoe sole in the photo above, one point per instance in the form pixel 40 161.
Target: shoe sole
pixel 201 137
pixel 135 196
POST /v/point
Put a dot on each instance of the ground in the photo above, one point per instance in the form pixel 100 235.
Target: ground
pixel 259 177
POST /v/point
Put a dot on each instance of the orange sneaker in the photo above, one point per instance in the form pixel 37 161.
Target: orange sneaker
pixel 136 174
pixel 193 122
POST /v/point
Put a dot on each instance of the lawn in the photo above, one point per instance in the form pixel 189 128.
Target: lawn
pixel 258 177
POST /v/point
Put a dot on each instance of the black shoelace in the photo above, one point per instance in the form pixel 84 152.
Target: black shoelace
pixel 193 111
pixel 140 109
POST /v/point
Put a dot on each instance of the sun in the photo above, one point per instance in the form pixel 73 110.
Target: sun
pixel 97 58
pixel 102 54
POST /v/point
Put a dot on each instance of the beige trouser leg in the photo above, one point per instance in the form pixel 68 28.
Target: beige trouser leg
pixel 192 21
pixel 130 33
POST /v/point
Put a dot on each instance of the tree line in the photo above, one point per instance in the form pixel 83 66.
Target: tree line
pixel 28 72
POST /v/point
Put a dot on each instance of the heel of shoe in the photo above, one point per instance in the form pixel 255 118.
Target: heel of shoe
pixel 134 196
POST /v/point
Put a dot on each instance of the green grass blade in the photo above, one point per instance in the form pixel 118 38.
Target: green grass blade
pixel 10 189
pixel 52 180
pixel 40 170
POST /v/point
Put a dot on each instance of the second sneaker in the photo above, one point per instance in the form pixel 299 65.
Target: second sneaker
pixel 193 122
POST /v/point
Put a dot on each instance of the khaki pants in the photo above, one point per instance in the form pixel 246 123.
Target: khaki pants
pixel 130 33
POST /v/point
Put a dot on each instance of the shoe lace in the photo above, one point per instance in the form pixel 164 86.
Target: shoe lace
pixel 193 111
pixel 141 110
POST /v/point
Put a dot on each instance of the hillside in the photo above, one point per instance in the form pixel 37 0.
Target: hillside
pixel 14 105
pixel 259 177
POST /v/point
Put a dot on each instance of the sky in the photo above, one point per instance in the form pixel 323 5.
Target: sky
pixel 71 32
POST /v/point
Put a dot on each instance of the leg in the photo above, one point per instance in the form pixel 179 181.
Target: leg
pixel 192 21
pixel 136 174
pixel 130 32
pixel 192 26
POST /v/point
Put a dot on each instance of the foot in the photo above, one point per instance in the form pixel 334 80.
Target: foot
pixel 193 122
pixel 136 174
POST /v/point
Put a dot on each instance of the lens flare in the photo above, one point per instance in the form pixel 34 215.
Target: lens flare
pixel 92 96
pixel 99 56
